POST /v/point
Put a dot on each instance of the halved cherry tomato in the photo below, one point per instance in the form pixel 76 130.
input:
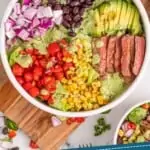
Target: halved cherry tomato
pixel 36 77
pixel 131 125
pixel 51 87
pixel 44 97
pixel 17 70
pixel 59 56
pixel 33 58
pixel 33 145
pixel 34 91
pixel 12 134
pixel 20 80
pixel 38 71
pixel 35 52
pixel 37 63
pixel 23 52
pixel 27 86
pixel 146 106
pixel 67 66
pixel 40 83
pixel 53 48
pixel 28 76
pixel 48 79
pixel 43 63
pixel 29 51
pixel 59 75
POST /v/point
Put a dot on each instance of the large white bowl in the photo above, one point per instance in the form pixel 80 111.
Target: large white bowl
pixel 124 117
pixel 74 114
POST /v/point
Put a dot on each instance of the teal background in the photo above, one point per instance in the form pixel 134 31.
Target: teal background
pixel 141 146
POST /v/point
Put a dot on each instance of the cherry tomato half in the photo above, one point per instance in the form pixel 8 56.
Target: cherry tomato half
pixel 28 76
pixel 53 48
pixel 34 92
pixel 17 70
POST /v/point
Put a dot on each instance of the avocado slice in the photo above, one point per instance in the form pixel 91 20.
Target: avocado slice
pixel 136 28
pixel 123 20
pixel 132 14
pixel 117 18
pixel 112 16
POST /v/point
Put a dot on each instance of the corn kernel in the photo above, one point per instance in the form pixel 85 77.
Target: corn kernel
pixel 95 106
pixel 121 133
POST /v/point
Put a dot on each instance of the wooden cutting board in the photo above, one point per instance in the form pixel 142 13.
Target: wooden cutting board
pixel 30 119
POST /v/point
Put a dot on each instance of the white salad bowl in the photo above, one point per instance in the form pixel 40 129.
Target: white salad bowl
pixel 48 109
pixel 124 117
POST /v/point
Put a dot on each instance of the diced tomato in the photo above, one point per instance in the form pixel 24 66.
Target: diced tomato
pixel 80 120
pixel 17 70
pixel 59 56
pixel 51 87
pixel 67 66
pixel 27 86
pixel 50 100
pixel 23 52
pixel 146 106
pixel 133 126
pixel 69 121
pixel 33 58
pixel 29 51
pixel 73 119
pixel 57 68
pixel 63 43
pixel 36 77
pixel 33 145
pixel 12 134
pixel 20 80
pixel 38 71
pixel 59 75
pixel 40 83
pixel 53 48
pixel 34 91
pixel 35 52
pixel 66 54
pixel 43 63
pixel 48 79
pixel 28 76
pixel 44 97
pixel 40 56
pixel 37 63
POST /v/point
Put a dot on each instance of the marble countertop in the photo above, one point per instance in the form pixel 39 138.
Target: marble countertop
pixel 84 134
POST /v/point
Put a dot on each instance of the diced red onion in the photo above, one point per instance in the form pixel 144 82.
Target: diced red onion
pixel 30 13
pixel 37 33
pixel 36 2
pixel 40 12
pixel 17 9
pixel 27 2
pixel 55 121
pixel 129 133
pixel 23 34
pixel 35 22
pixel 46 23
pixel 47 12
pixel 20 21
pixel 8 26
pixel 59 20
pixel 24 8
pixel 57 13
pixel 42 30
pixel 11 34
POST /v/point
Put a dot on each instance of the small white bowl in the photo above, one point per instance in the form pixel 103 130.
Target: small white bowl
pixel 46 108
pixel 124 117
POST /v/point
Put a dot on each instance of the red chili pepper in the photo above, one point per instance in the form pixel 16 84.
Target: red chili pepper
pixel 33 145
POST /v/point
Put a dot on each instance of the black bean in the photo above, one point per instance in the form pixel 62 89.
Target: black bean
pixel 67 17
pixel 52 1
pixel 68 1
pixel 82 10
pixel 76 25
pixel 82 1
pixel 66 9
pixel 89 2
pixel 57 7
pixel 5 131
pixel 77 18
pixel 66 24
pixel 75 10
pixel 74 3
pixel 71 33
pixel 15 148
pixel 85 6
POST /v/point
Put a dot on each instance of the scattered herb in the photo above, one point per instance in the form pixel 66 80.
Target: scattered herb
pixel 101 127
pixel 11 125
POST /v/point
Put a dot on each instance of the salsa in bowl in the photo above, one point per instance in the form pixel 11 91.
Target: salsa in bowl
pixel 75 58
pixel 135 125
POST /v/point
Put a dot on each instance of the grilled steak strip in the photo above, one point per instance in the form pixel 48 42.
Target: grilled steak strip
pixel 139 54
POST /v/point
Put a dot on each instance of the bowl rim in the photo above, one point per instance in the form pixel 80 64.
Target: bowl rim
pixel 54 111
pixel 124 117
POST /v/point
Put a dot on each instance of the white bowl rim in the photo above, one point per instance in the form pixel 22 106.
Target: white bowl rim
pixel 74 114
pixel 124 117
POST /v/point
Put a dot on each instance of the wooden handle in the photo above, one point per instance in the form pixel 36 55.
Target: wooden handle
pixel 33 121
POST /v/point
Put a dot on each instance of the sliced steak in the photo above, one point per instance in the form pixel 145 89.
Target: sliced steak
pixel 103 56
pixel 110 54
pixel 117 58
pixel 126 44
pixel 139 54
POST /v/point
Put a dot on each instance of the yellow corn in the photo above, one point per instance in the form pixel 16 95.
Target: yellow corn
pixel 121 133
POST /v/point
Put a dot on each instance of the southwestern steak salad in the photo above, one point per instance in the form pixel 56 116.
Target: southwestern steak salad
pixel 75 55
pixel 136 127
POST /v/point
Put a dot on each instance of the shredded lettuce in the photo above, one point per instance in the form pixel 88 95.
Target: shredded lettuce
pixel 95 59
pixel 92 75
pixel 112 86
pixel 137 115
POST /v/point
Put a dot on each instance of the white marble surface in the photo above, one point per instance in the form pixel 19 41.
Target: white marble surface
pixel 84 134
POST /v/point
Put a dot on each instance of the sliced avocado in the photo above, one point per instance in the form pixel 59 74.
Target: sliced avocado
pixel 122 22
pixel 112 16
pixel 117 18
pixel 132 14
pixel 136 28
